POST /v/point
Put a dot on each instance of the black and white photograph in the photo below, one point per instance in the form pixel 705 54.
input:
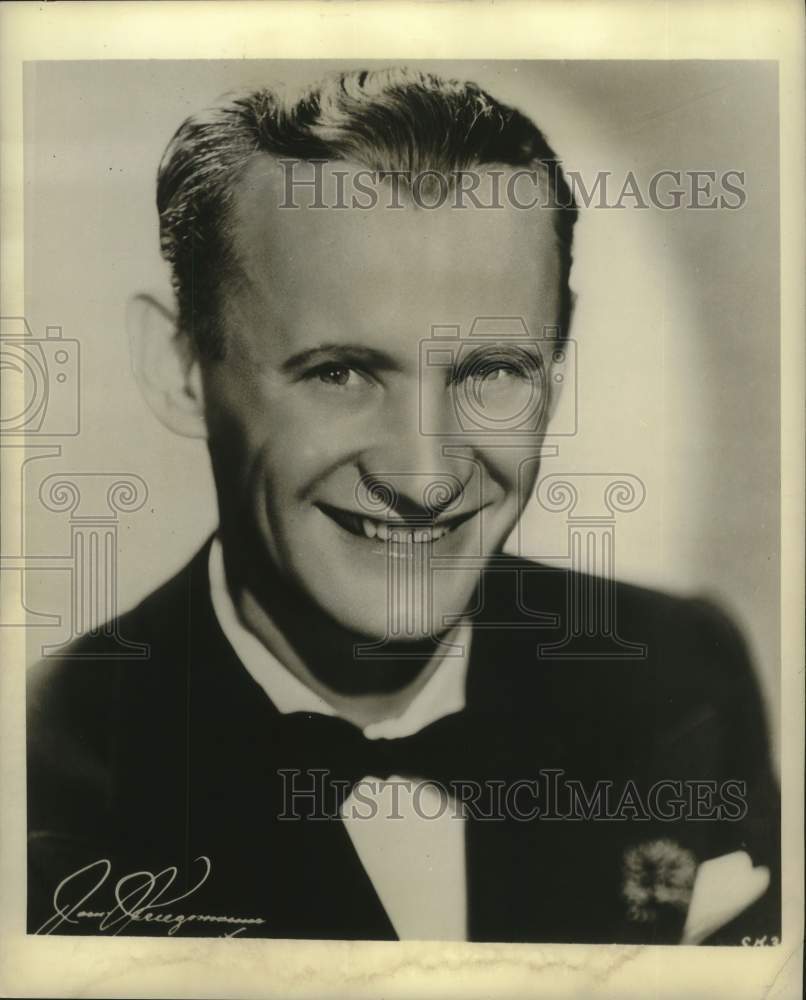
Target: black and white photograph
pixel 395 502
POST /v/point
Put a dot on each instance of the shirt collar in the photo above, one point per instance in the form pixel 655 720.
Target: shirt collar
pixel 442 694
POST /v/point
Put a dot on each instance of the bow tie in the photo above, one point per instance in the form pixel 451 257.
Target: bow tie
pixel 332 754
pixel 323 742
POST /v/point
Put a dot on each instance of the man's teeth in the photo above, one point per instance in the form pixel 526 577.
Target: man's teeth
pixel 403 536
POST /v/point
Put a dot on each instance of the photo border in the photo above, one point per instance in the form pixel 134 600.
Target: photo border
pixel 766 29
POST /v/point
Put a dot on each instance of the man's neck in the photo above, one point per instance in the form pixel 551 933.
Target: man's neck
pixel 322 657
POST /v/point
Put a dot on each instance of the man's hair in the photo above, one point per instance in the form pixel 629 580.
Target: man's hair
pixel 392 120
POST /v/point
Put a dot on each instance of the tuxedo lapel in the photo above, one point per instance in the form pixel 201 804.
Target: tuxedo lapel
pixel 538 879
pixel 503 860
pixel 302 875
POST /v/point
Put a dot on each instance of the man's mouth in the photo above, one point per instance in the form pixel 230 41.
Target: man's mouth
pixel 393 529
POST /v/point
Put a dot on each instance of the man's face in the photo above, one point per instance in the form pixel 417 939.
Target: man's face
pixel 370 472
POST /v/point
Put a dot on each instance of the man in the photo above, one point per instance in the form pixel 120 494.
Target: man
pixel 354 720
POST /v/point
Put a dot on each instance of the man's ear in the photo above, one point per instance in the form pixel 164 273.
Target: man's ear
pixel 166 366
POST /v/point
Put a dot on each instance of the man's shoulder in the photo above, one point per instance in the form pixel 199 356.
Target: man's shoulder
pixel 138 646
pixel 608 642
pixel 547 595
pixel 111 700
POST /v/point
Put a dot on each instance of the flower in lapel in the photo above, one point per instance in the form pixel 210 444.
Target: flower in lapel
pixel 658 876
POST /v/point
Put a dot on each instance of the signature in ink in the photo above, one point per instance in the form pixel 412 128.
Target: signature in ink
pixel 141 897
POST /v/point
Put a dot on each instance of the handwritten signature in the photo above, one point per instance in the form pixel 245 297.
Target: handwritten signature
pixel 139 897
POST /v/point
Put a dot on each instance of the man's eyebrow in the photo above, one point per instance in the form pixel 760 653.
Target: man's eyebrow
pixel 340 353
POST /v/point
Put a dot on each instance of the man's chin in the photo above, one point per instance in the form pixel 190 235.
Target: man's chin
pixel 402 626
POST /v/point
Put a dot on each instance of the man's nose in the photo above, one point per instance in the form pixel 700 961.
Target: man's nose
pixel 413 469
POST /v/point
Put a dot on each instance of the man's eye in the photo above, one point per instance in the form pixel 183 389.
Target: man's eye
pixel 494 373
pixel 340 376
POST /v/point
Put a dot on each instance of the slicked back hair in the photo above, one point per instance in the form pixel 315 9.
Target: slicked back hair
pixel 391 120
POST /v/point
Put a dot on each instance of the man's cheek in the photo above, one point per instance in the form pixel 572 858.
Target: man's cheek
pixel 512 469
pixel 524 487
pixel 285 476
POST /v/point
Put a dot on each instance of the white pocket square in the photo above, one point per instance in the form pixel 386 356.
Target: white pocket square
pixel 723 888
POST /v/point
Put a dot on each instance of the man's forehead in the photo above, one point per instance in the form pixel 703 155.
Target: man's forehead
pixel 306 265
pixel 319 204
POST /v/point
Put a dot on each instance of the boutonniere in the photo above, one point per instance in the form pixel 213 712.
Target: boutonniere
pixel 658 882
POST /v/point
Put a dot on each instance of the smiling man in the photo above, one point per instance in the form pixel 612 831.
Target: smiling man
pixel 350 723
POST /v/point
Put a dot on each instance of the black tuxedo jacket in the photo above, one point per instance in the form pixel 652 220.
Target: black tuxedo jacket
pixel 138 766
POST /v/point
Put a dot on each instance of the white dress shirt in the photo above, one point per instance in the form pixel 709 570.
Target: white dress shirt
pixel 410 839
